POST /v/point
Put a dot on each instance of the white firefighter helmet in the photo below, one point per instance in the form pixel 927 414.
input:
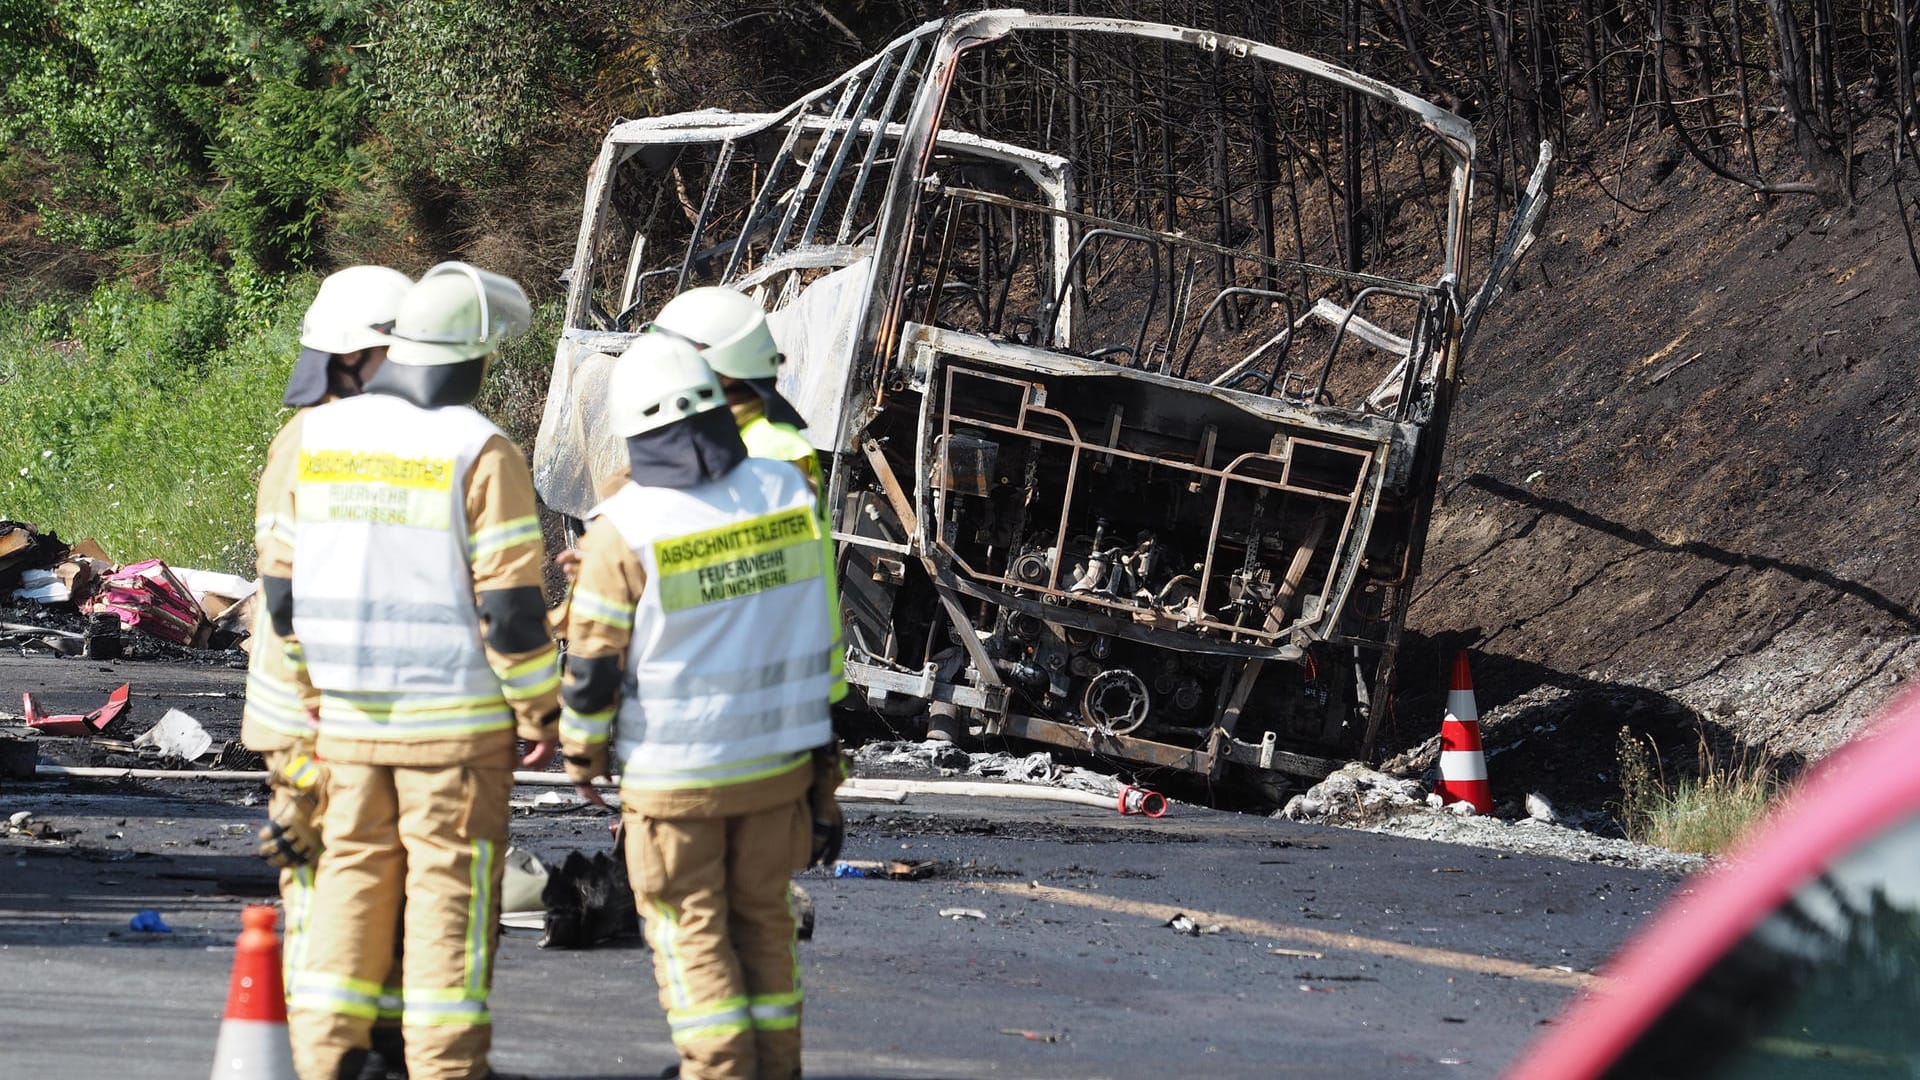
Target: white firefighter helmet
pixel 457 312
pixel 660 380
pixel 353 310
pixel 729 328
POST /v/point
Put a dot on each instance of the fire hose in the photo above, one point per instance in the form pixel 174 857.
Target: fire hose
pixel 1132 800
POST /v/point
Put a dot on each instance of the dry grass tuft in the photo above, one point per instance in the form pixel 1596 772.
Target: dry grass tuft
pixel 1707 812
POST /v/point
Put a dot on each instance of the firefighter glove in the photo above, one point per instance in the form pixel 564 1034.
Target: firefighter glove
pixel 291 837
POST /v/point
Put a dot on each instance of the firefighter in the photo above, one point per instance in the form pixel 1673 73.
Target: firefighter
pixel 343 340
pixel 730 330
pixel 702 591
pixel 410 598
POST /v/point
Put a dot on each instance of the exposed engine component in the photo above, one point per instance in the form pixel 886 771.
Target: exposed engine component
pixel 1115 701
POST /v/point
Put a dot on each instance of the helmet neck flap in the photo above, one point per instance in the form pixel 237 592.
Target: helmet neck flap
pixel 687 453
pixel 431 387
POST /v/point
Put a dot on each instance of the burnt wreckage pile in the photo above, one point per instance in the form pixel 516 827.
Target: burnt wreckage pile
pixel 1130 350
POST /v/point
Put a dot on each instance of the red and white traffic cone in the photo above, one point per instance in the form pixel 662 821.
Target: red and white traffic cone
pixel 253 1036
pixel 1463 765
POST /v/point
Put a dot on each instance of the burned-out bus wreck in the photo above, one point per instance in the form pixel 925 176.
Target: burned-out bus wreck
pixel 1129 349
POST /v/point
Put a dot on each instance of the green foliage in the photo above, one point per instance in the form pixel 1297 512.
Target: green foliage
pixel 185 127
pixel 465 81
pixel 287 151
pixel 1705 813
pixel 147 426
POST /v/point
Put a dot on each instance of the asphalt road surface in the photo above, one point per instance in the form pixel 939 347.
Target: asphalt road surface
pixel 1336 953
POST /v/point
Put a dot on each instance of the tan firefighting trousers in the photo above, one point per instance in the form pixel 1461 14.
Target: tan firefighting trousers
pixel 718 901
pixel 418 848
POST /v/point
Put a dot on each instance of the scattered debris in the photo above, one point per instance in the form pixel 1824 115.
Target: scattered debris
pixel 149 922
pixel 1355 794
pixel 191 608
pixel 1301 954
pixel 1539 809
pixel 893 870
pixel 23 823
pixel 93 723
pixel 178 735
pixel 26 638
pixel 958 913
pixel 949 760
pixel 234 757
pixel 149 597
pixel 1033 1036
pixel 102 639
pixel 1359 797
pixel 24 548
pixel 523 882
pixel 1182 923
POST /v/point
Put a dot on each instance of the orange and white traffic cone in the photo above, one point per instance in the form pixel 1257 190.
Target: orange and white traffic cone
pixel 1463 765
pixel 253 1035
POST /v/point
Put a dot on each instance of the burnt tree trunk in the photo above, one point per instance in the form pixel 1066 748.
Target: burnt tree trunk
pixel 1794 77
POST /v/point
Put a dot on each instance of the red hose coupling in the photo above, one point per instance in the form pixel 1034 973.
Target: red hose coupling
pixel 1138 800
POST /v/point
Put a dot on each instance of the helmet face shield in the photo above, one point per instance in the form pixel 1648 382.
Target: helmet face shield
pixel 458 312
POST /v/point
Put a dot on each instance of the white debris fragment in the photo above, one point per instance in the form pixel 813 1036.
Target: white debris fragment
pixel 1539 809
pixel 1355 793
pixel 177 734
pixel 1462 809
pixel 20 818
pixel 958 913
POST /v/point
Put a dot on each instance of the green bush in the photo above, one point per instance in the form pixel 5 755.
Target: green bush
pixel 185 127
pixel 147 426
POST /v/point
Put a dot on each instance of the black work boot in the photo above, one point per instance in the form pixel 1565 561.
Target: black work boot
pixel 388 1058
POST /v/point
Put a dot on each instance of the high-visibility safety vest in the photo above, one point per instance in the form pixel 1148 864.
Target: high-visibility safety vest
pixel 780 442
pixel 728 671
pixel 383 600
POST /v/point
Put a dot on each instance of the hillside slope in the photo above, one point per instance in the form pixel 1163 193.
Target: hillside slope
pixel 1680 489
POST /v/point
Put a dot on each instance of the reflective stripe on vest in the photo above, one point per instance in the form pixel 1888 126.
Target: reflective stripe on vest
pixel 273 703
pixel 383 590
pixel 728 670
pixel 782 442
pixel 394 715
